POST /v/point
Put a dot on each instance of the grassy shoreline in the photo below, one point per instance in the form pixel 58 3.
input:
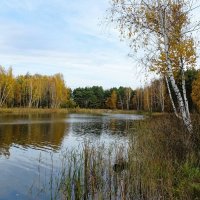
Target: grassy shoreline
pixel 161 161
pixel 64 110
pixel 158 163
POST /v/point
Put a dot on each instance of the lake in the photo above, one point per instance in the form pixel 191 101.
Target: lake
pixel 31 144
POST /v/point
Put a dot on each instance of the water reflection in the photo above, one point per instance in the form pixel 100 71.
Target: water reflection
pixel 101 125
pixel 47 131
pixel 118 127
pixel 31 131
pixel 23 138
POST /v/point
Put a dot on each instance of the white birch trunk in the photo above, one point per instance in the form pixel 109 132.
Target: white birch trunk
pixel 148 106
pixel 31 95
pixel 121 102
pixel 184 89
pixel 171 99
pixel 162 98
pixel 3 96
pixel 185 118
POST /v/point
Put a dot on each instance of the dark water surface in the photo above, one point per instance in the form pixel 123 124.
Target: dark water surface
pixel 30 144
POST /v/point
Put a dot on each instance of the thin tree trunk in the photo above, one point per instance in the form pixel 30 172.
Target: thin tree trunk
pixel 162 98
pixel 3 96
pixel 171 99
pixel 121 102
pixel 185 118
pixel 184 89
pixel 31 95
pixel 148 106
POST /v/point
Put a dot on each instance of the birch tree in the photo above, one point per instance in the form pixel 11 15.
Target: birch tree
pixel 6 86
pixel 128 93
pixel 163 29
pixel 138 99
pixel 162 94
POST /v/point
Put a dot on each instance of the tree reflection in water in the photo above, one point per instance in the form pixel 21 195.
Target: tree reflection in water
pixel 32 131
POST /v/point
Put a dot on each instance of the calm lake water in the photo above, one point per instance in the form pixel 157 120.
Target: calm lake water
pixel 30 144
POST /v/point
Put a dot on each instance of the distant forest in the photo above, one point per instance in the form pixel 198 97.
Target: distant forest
pixel 39 91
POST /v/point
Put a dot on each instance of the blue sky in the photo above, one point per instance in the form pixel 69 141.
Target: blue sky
pixel 64 36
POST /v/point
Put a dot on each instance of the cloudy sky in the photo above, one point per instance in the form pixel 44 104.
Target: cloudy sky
pixel 68 37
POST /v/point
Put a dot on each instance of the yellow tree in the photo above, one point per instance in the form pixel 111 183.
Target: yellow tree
pixel 6 86
pixel 147 98
pixel 195 92
pixel 59 92
pixel 128 93
pixel 162 28
pixel 38 89
pixel 111 102
pixel 17 93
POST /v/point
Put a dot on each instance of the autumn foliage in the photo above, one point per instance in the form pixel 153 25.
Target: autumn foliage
pixel 33 91
pixel 196 92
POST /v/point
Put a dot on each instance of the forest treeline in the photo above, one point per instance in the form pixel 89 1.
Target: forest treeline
pixel 32 91
pixel 41 91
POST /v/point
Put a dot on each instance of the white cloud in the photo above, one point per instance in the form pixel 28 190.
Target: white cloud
pixel 107 70
pixel 51 36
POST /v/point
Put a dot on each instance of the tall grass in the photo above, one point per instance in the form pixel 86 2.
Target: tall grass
pixel 160 162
